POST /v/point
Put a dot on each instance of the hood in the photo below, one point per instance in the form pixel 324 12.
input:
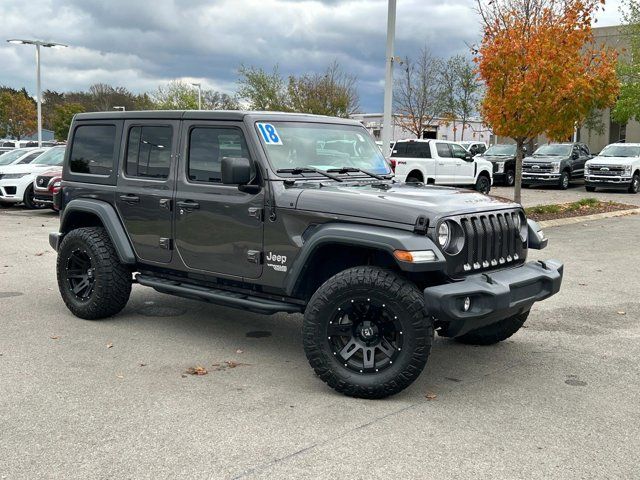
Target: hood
pixel 26 168
pixel 544 159
pixel 612 160
pixel 398 202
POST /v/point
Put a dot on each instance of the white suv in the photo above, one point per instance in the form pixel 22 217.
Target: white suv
pixel 16 181
pixel 440 162
pixel 616 166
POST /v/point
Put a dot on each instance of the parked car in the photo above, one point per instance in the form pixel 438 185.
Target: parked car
pixel 440 162
pixel 20 156
pixel 555 164
pixel 616 166
pixel 474 148
pixel 503 158
pixel 376 266
pixel 16 181
pixel 46 185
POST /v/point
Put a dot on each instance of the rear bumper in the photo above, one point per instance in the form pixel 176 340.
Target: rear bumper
pixel 494 296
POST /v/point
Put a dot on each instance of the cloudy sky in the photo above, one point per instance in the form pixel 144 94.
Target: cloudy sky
pixel 139 44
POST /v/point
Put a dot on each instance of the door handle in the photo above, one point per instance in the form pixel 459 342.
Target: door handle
pixel 130 198
pixel 441 164
pixel 188 205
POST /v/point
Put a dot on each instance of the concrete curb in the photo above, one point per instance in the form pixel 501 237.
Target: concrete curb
pixel 588 218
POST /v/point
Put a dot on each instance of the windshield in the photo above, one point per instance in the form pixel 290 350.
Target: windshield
pixel 552 150
pixel 291 145
pixel 501 150
pixel 10 157
pixel 53 156
pixel 614 151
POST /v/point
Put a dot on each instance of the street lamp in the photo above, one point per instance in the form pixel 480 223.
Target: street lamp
pixel 387 124
pixel 38 44
pixel 199 94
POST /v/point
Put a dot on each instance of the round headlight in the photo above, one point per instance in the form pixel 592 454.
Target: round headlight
pixel 444 234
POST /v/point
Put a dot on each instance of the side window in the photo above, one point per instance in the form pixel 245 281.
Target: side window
pixel 481 148
pixel 149 151
pixel 584 150
pixel 207 147
pixel 93 149
pixel 443 150
pixel 29 158
pixel 458 151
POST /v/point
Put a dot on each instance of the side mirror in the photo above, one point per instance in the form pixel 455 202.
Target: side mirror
pixel 468 157
pixel 235 170
pixel 575 155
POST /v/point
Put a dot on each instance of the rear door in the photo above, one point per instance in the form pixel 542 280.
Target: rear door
pixel 445 164
pixel 146 186
pixel 219 228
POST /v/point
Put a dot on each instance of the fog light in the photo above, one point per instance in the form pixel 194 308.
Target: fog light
pixel 467 304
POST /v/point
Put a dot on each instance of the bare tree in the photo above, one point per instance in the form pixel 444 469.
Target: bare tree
pixel 460 92
pixel 417 94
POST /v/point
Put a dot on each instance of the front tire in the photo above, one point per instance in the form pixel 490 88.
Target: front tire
pixel 366 333
pixel 6 204
pixel 29 198
pixel 483 184
pixel 496 332
pixel 92 281
pixel 510 178
pixel 565 180
pixel 635 184
pixel 590 189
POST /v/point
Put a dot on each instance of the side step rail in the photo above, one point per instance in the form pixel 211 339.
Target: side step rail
pixel 220 297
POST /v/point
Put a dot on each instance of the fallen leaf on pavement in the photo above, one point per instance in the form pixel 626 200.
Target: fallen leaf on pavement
pixel 39 254
pixel 109 345
pixel 430 396
pixel 120 376
pixel 198 370
pixel 143 364
pixel 620 312
pixel 54 337
pixel 238 351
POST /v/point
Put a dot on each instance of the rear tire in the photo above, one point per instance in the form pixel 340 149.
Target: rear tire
pixel 496 332
pixel 483 184
pixel 413 180
pixel 635 184
pixel 92 281
pixel 590 189
pixel 366 333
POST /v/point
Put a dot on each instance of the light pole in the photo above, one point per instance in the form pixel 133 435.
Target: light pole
pixel 38 44
pixel 387 123
pixel 199 94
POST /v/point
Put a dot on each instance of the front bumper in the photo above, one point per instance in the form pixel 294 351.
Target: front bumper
pixel 529 178
pixel 608 182
pixel 494 296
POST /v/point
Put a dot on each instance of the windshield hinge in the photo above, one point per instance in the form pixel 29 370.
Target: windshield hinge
pixel 421 226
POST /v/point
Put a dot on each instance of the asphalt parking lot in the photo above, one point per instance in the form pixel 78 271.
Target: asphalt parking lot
pixel 109 399
pixel 545 195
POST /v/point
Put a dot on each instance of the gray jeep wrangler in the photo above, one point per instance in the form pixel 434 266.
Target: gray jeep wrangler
pixel 275 212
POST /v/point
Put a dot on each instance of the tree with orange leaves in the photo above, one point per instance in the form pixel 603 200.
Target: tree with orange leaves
pixel 542 71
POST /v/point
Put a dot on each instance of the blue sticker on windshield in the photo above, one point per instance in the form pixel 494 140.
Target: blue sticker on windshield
pixel 269 134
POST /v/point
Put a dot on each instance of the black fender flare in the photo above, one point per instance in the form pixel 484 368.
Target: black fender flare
pixel 368 236
pixel 110 220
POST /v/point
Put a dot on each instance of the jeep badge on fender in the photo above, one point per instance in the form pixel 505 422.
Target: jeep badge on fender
pixel 279 212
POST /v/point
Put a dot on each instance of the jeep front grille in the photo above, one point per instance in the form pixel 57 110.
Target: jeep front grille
pixel 491 240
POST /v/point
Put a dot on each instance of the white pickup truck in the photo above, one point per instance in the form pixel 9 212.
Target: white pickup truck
pixel 440 162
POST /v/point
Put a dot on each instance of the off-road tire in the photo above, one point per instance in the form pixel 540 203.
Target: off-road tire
pixel 483 184
pixel 590 189
pixel 510 178
pixel 398 294
pixel 112 280
pixel 565 180
pixel 6 204
pixel 635 184
pixel 413 180
pixel 496 332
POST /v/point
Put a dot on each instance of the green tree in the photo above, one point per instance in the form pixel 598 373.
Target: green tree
pixel 330 93
pixel 263 91
pixel 17 115
pixel 460 92
pixel 178 95
pixel 63 114
pixel 628 104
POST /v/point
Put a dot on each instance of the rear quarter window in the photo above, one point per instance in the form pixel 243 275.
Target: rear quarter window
pixel 412 150
pixel 93 150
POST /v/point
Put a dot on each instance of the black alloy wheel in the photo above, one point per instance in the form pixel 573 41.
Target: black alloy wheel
pixel 365 335
pixel 80 274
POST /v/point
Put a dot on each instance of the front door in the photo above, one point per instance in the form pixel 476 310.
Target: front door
pixel 146 186
pixel 445 164
pixel 219 228
pixel 465 169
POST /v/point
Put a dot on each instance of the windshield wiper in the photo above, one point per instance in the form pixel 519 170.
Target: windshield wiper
pixel 354 169
pixel 301 170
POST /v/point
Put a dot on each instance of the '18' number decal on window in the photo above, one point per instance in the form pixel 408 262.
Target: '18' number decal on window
pixel 269 134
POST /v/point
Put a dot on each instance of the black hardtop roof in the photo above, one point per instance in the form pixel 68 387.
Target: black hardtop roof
pixel 231 115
